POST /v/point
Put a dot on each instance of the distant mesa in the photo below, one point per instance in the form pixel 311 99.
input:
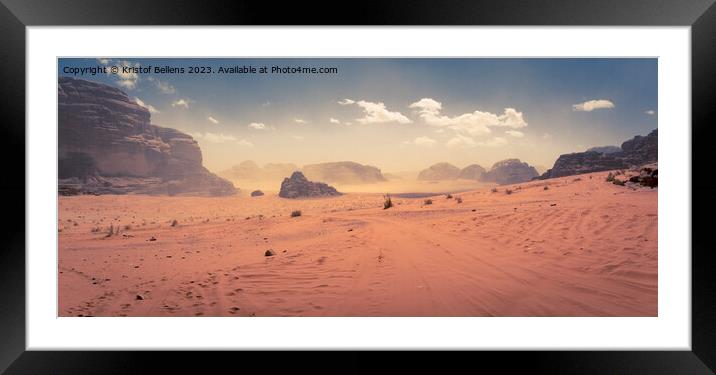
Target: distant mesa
pixel 257 193
pixel 391 177
pixel 249 170
pixel 605 149
pixel 107 145
pixel 439 172
pixel 510 171
pixel 635 152
pixel 343 172
pixel 298 186
pixel 472 172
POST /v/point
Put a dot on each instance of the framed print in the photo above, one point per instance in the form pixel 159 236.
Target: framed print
pixel 460 182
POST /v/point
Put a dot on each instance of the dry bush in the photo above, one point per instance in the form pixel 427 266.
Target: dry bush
pixel 428 201
pixel 387 202
pixel 296 213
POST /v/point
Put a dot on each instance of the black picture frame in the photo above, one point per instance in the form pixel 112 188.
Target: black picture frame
pixel 16 15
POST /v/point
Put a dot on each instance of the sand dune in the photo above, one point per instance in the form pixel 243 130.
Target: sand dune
pixel 583 247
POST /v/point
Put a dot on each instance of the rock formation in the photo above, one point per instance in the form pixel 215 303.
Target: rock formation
pixel 343 172
pixel 604 149
pixel 249 170
pixel 107 145
pixel 472 172
pixel 298 186
pixel 439 171
pixel 636 152
pixel 510 171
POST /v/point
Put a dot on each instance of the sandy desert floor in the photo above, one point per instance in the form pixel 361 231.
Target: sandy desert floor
pixel 584 247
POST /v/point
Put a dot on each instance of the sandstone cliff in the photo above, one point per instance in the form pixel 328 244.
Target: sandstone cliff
pixel 439 171
pixel 107 145
pixel 510 171
pixel 298 186
pixel 343 172
pixel 635 152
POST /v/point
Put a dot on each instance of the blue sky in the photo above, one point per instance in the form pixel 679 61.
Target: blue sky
pixel 397 114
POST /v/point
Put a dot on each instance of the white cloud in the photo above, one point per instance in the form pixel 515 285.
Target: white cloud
pixel 128 77
pixel 300 121
pixel 104 61
pixel 650 112
pixel 421 141
pixel 591 105
pixel 221 138
pixel 212 120
pixel 474 124
pixel 266 104
pixel 257 126
pixel 163 86
pixel 346 102
pixel 376 113
pixel 546 136
pixel 298 137
pixel 334 120
pixel 181 103
pixel 515 133
pixel 149 107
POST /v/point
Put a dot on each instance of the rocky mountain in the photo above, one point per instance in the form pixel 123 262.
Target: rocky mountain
pixel 298 186
pixel 343 172
pixel 605 149
pixel 635 152
pixel 439 171
pixel 249 170
pixel 510 171
pixel 107 145
pixel 472 172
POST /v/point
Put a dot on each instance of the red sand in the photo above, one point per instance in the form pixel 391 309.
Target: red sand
pixel 581 248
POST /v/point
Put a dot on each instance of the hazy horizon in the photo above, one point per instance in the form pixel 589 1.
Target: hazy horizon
pixel 400 115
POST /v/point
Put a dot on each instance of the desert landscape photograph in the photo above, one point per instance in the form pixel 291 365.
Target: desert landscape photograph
pixel 357 187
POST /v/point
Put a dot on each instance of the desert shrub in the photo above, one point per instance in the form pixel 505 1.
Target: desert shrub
pixel 577 179
pixel 387 202
pixel 428 201
pixel 295 213
pixel 618 182
pixel 449 196
pixel 127 227
pixel 458 200
pixel 546 187
pixel 494 190
pixel 175 223
pixel 508 191
pixel 110 231
pixel 610 177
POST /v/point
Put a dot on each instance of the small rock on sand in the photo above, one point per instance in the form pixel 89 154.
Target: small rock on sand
pixel 269 253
